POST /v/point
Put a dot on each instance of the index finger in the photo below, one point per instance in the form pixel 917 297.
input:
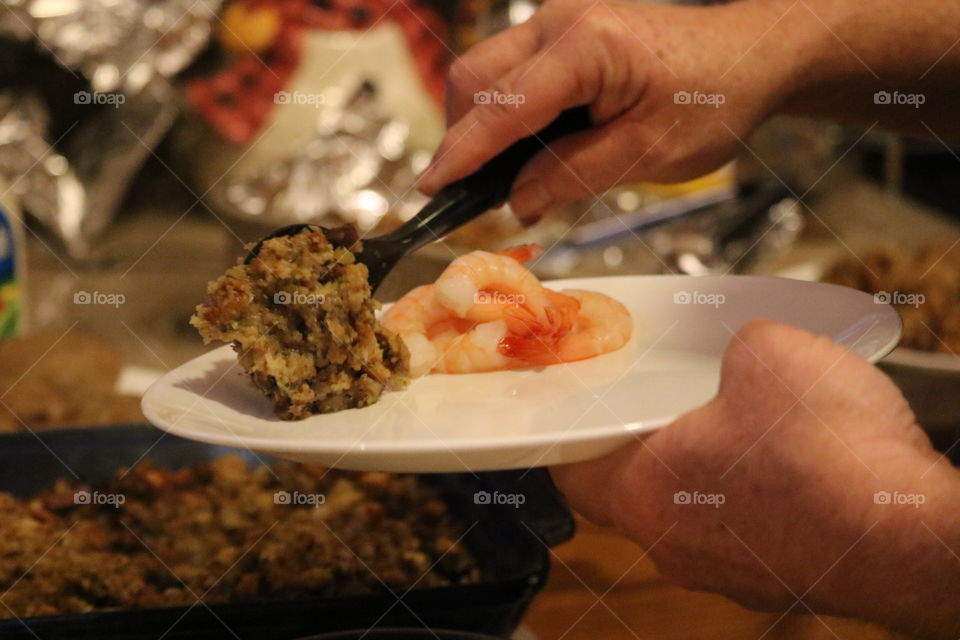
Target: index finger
pixel 522 102
pixel 486 61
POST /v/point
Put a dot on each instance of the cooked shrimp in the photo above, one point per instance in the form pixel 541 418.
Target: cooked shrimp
pixel 413 317
pixel 602 325
pixel 561 314
pixel 484 287
pixel 474 351
pixel 487 313
pixel 473 278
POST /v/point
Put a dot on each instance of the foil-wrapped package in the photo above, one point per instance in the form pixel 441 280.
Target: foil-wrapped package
pixel 338 138
pixel 118 45
pixel 353 166
pixel 128 51
pixel 74 187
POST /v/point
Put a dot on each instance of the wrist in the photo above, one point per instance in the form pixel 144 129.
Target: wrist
pixel 898 573
pixel 778 52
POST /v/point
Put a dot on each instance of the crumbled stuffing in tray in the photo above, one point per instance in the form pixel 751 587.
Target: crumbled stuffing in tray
pixel 923 286
pixel 303 322
pixel 222 532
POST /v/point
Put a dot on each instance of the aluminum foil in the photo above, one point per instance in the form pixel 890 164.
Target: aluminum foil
pixel 75 187
pixel 128 51
pixel 354 166
pixel 118 45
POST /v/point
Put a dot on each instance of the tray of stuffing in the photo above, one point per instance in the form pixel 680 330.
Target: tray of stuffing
pixel 115 533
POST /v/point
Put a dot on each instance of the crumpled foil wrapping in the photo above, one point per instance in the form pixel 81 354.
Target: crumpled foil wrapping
pixel 129 51
pixel 75 188
pixel 354 166
pixel 118 45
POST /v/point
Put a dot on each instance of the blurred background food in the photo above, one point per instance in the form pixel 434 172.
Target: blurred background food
pixel 76 382
pixel 400 526
pixel 923 286
pixel 143 143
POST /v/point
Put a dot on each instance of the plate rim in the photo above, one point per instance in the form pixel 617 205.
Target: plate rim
pixel 358 447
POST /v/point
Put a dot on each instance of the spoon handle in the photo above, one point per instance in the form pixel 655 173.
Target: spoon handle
pixel 462 201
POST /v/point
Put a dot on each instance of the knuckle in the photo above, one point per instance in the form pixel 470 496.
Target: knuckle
pixel 595 21
pixel 460 77
pixel 503 114
pixel 599 23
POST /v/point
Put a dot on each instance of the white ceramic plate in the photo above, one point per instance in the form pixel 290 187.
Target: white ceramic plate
pixel 535 417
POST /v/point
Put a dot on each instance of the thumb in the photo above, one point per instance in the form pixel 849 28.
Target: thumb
pixel 591 487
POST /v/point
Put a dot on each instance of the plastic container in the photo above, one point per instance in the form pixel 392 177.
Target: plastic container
pixel 511 545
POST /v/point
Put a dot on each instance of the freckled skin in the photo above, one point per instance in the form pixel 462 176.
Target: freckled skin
pixel 798 480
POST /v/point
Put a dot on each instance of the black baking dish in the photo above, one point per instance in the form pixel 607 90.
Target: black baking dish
pixel 510 544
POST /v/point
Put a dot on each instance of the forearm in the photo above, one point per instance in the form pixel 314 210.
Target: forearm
pixel 905 573
pixel 838 54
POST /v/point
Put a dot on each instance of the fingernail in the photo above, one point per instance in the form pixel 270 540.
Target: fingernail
pixel 424 180
pixel 530 198
pixel 428 170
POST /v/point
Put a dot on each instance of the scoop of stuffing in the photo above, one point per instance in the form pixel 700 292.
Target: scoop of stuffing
pixel 303 323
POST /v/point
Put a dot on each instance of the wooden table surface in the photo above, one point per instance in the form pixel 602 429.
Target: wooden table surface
pixel 638 604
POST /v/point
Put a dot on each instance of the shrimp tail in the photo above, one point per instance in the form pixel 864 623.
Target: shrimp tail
pixel 557 320
pixel 562 313
pixel 531 349
pixel 523 322
pixel 522 252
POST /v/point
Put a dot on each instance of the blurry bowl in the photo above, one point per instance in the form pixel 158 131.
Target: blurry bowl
pixel 931 384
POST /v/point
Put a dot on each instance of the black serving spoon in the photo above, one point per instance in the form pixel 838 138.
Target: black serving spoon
pixel 456 204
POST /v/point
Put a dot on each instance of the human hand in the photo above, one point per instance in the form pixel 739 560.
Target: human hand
pixel 668 87
pixel 786 464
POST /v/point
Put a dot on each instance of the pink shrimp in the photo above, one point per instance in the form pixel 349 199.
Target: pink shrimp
pixel 603 325
pixel 464 284
pixel 484 287
pixel 414 317
pixel 486 313
pixel 474 351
